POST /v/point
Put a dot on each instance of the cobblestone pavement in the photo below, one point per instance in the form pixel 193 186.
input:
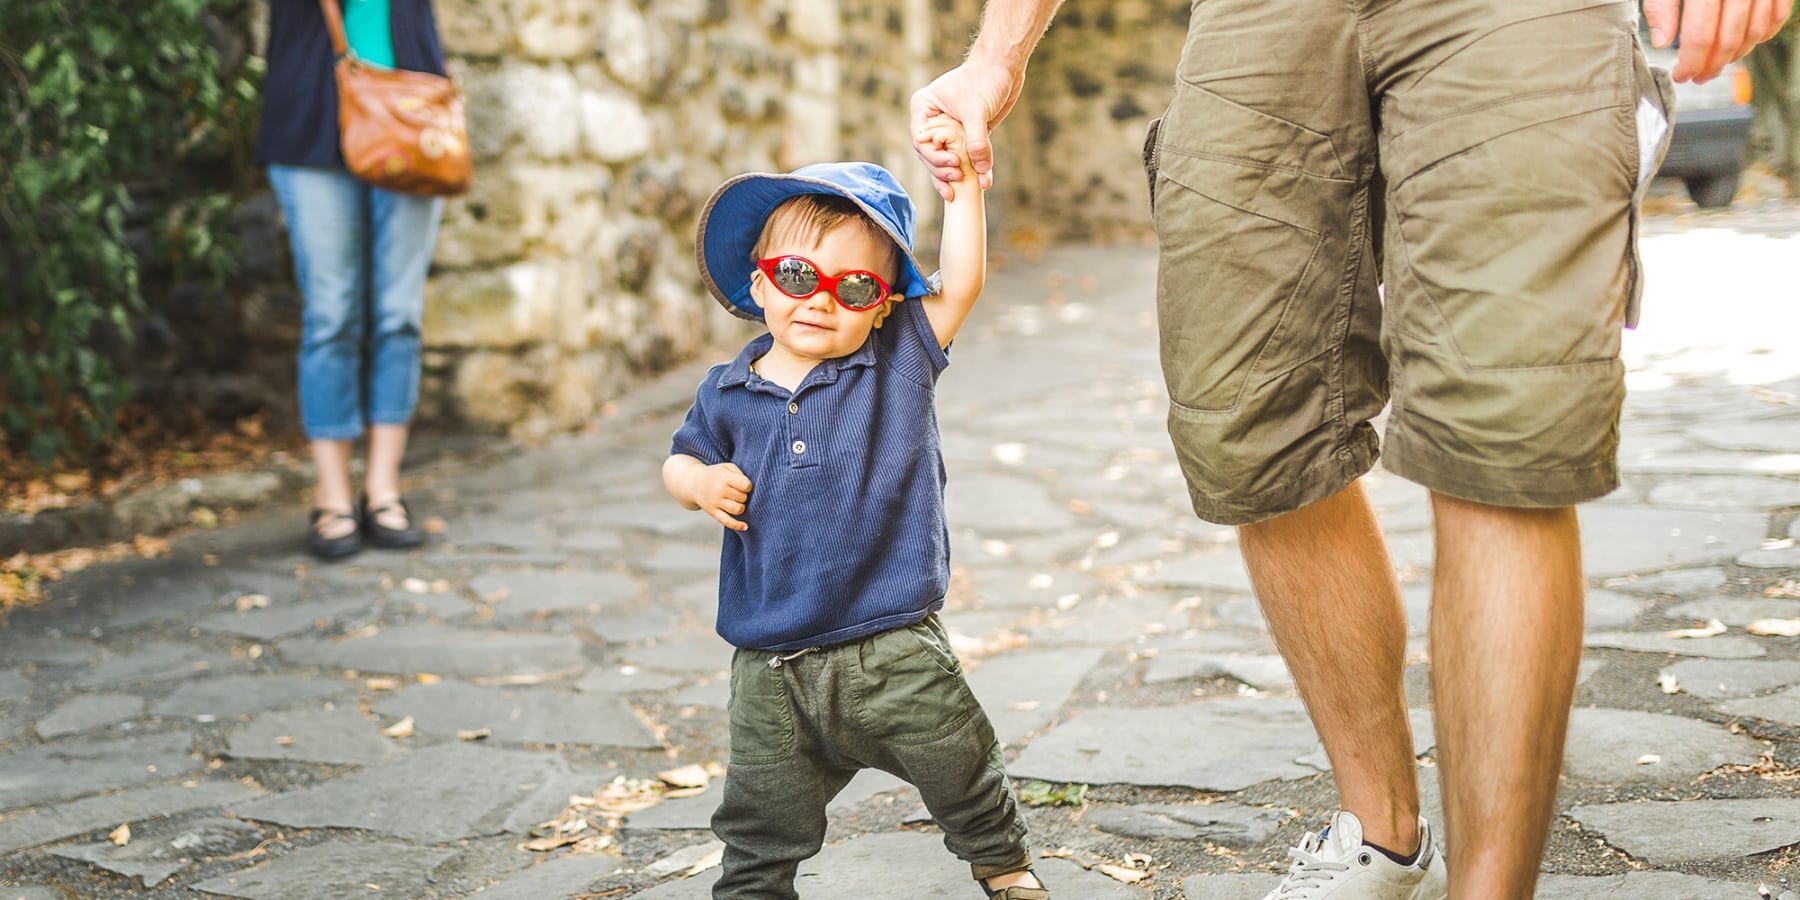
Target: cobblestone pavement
pixel 237 705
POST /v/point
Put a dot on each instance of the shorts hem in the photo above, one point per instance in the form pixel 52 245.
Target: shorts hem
pixel 1495 485
pixel 1316 483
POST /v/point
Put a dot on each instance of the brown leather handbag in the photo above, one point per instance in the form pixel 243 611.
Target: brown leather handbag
pixel 401 131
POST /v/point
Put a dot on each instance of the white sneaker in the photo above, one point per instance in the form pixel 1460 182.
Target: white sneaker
pixel 1335 863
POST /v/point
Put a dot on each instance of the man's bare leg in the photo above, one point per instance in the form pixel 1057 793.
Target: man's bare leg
pixel 1506 626
pixel 1328 590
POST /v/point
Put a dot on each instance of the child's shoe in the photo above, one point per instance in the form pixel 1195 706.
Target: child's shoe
pixel 1018 891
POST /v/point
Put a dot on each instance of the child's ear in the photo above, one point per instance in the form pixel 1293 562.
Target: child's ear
pixel 887 306
pixel 756 284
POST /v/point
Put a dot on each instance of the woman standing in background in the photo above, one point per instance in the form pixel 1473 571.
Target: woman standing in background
pixel 361 255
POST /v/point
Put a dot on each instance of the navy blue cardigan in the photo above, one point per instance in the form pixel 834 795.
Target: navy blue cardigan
pixel 299 105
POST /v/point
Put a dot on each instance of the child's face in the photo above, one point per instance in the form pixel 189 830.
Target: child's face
pixel 816 328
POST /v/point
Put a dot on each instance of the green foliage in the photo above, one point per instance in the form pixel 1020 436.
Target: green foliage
pixel 101 102
pixel 1042 793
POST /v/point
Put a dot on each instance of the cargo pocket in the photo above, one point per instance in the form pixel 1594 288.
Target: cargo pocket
pixel 912 687
pixel 1150 164
pixel 1655 126
pixel 762 725
pixel 1245 204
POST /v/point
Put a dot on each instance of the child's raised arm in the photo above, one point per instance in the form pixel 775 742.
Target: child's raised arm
pixel 962 257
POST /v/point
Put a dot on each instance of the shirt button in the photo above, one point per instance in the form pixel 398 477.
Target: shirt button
pixel 799 446
pixel 793 408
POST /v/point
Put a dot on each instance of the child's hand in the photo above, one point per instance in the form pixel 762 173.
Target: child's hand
pixel 722 491
pixel 944 133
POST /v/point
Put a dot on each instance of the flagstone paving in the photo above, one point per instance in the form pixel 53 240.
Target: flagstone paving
pixel 407 725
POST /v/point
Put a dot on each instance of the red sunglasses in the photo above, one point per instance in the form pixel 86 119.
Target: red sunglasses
pixel 796 276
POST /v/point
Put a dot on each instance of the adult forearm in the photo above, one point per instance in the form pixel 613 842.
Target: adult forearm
pixel 1010 30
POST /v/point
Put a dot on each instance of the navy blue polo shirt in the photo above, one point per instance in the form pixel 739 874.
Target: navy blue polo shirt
pixel 847 535
pixel 299 124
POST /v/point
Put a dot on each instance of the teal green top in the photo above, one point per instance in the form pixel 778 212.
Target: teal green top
pixel 366 27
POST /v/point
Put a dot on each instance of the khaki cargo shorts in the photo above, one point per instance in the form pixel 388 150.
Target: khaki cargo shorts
pixel 1432 202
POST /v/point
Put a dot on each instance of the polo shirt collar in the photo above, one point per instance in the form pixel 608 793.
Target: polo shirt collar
pixel 738 374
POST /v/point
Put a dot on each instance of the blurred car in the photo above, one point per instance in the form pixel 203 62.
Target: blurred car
pixel 1711 142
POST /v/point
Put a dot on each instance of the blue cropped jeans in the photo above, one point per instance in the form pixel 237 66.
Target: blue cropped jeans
pixel 360 257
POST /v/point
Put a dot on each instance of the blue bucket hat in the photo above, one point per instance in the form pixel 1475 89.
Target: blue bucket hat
pixel 733 219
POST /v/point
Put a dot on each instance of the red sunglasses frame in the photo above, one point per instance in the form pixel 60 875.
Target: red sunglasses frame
pixel 827 283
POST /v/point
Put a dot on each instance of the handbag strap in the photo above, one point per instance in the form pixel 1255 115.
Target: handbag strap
pixel 334 21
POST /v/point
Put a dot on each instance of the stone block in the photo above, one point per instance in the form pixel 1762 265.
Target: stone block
pixel 482 227
pixel 477 308
pixel 474 27
pixel 556 29
pixel 533 106
pixel 626 41
pixel 614 128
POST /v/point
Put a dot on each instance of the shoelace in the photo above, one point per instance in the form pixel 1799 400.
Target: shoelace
pixel 1310 873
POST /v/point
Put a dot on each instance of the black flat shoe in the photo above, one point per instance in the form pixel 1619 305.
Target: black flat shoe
pixel 391 538
pixel 332 547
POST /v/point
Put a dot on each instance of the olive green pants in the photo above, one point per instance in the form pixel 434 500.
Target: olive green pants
pixel 803 725
pixel 1432 202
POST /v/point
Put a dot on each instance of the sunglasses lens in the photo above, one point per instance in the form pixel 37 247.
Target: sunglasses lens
pixel 859 290
pixel 796 277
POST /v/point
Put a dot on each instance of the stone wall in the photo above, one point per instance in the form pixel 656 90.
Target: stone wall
pixel 1072 147
pixel 600 126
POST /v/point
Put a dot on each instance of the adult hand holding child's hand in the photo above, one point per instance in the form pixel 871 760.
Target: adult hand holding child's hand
pixel 942 134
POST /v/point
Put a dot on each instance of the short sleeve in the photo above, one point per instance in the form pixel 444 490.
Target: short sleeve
pixel 695 437
pixel 911 345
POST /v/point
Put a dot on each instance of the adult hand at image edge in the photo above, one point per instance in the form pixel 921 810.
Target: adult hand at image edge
pixel 1713 32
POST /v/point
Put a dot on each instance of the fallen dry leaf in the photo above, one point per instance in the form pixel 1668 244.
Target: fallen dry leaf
pixel 252 601
pixel 120 835
pixel 1775 627
pixel 400 729
pixel 203 517
pixel 285 740
pixel 1079 857
pixel 1711 628
pixel 692 776
pixel 476 734
pixel 706 862
pixel 550 843
pixel 435 525
pixel 427 678
pixel 1120 873
pixel 382 683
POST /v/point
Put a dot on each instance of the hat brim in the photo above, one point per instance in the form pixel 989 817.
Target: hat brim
pixel 733 218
